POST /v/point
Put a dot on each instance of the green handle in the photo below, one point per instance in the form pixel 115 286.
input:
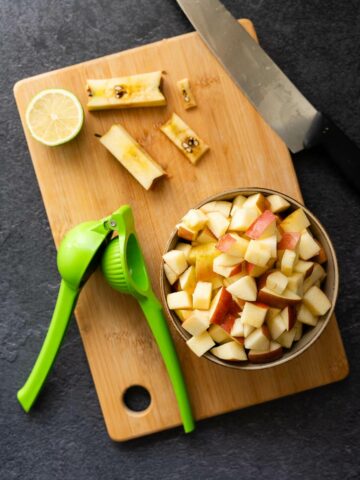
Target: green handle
pixel 54 337
pixel 155 317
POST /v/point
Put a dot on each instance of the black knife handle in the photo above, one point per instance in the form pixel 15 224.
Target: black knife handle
pixel 343 152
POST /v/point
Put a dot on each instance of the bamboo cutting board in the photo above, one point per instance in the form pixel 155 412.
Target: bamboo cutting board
pixel 82 181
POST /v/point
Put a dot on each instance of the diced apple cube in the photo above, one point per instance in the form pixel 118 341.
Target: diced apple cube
pixel 244 288
pixel 234 278
pixel 305 268
pixel 226 260
pixel 308 246
pixel 220 306
pixel 288 314
pixel 257 201
pixel 298 331
pixel 220 206
pixel 231 351
pixel 305 316
pixel 237 203
pixel 197 322
pixel 187 96
pixel 202 295
pixel 176 260
pixel 267 296
pixel 277 203
pixel 297 221
pixel 316 301
pixel 248 329
pixel 184 247
pixel 218 334
pixel 257 253
pixel 206 236
pixel 179 300
pixel 187 280
pixel 264 226
pixel 238 328
pixel 224 271
pixel 289 241
pixel 286 338
pixel 277 282
pixel 272 312
pixel 270 243
pixel 185 232
pixel 254 314
pixel 183 314
pixel 262 356
pixel 296 283
pixel 259 339
pixel 233 244
pixel 170 274
pixel 255 270
pixel 318 273
pixel 243 218
pixel 276 326
pixel 217 223
pixel 288 261
pixel 216 282
pixel 195 219
pixel 201 343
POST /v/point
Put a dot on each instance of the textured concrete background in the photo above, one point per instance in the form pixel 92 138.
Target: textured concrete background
pixel 312 435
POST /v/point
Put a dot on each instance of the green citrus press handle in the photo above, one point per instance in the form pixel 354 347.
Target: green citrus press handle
pixel 60 320
pixel 156 319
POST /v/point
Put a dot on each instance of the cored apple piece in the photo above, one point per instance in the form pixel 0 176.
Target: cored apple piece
pixel 264 226
pixel 187 280
pixel 289 317
pixel 243 218
pixel 176 260
pixel 267 296
pixel 220 305
pixel 186 93
pixel 276 326
pixel 195 219
pixel 238 202
pixel 225 260
pixel 308 247
pixel 255 270
pixel 248 329
pixel 316 301
pixel 297 221
pixel 170 274
pixel 185 139
pixel 234 278
pixel 217 223
pixel 233 244
pixel 257 253
pixel 132 156
pixel 259 339
pixel 296 283
pixel 202 295
pixel 289 241
pixel 220 206
pixel 262 356
pixel 231 351
pixel 179 300
pixel 257 201
pixel 141 90
pixel 269 243
pixel 288 261
pixel 317 274
pixel 277 282
pixel 218 334
pixel 217 282
pixel 254 314
pixel 305 268
pixel 197 322
pixel 321 257
pixel 272 312
pixel 201 343
pixel 237 328
pixel 206 236
pixel 183 314
pixel 277 204
pixel 304 315
pixel 244 288
pixel 185 232
pixel 228 321
pixel 286 338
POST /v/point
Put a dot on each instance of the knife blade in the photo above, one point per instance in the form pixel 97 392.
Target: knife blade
pixel 272 93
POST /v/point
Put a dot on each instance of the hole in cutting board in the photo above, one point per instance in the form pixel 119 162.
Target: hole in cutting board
pixel 136 398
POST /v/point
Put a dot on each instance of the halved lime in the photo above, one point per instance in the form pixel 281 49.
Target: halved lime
pixel 54 116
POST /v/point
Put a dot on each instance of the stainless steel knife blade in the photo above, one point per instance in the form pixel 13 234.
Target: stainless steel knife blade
pixel 274 96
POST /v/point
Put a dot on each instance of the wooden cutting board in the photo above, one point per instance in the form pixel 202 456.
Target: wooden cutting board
pixel 82 181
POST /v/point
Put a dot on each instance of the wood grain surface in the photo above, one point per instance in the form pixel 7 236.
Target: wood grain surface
pixel 82 181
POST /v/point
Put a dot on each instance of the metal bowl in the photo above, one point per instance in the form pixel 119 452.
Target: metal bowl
pixel 330 285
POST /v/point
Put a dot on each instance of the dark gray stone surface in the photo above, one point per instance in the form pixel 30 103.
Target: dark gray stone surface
pixel 312 435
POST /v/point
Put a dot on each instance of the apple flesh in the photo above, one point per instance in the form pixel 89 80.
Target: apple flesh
pixel 237 328
pixel 257 201
pixel 289 317
pixel 187 280
pixel 277 282
pixel 254 314
pixel 267 296
pixel 195 219
pixel 231 351
pixel 259 339
pixel 286 338
pixel 206 236
pixel 176 260
pixel 185 232
pixel 170 274
pixel 233 244
pixel 308 247
pixel 244 288
pixel 202 295
pixel 179 300
pixel 220 206
pixel 298 331
pixel 276 326
pixel 217 223
pixel 197 322
pixel 243 218
pixel 297 221
pixel 264 226
pixel 305 268
pixel 316 301
pixel 201 343
pixel 220 305
pixel 218 334
pixel 289 241
pixel 277 204
pixel 263 356
pixel 257 254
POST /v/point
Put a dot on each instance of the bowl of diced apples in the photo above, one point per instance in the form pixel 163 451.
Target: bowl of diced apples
pixel 249 278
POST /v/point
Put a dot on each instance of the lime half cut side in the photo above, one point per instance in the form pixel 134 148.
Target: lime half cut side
pixel 54 116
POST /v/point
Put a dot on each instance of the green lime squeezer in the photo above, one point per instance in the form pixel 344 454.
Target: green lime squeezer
pixel 82 250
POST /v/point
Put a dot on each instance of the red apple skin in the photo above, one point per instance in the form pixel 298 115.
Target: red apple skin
pixel 234 308
pixel 225 242
pixel 261 281
pixel 290 317
pixel 258 227
pixel 274 300
pixel 289 241
pixel 240 303
pixel 261 305
pixel 266 331
pixel 240 340
pixel 264 357
pixel 228 322
pixel 222 307
pixel 237 269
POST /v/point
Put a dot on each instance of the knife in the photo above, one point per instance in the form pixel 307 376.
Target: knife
pixel 274 96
